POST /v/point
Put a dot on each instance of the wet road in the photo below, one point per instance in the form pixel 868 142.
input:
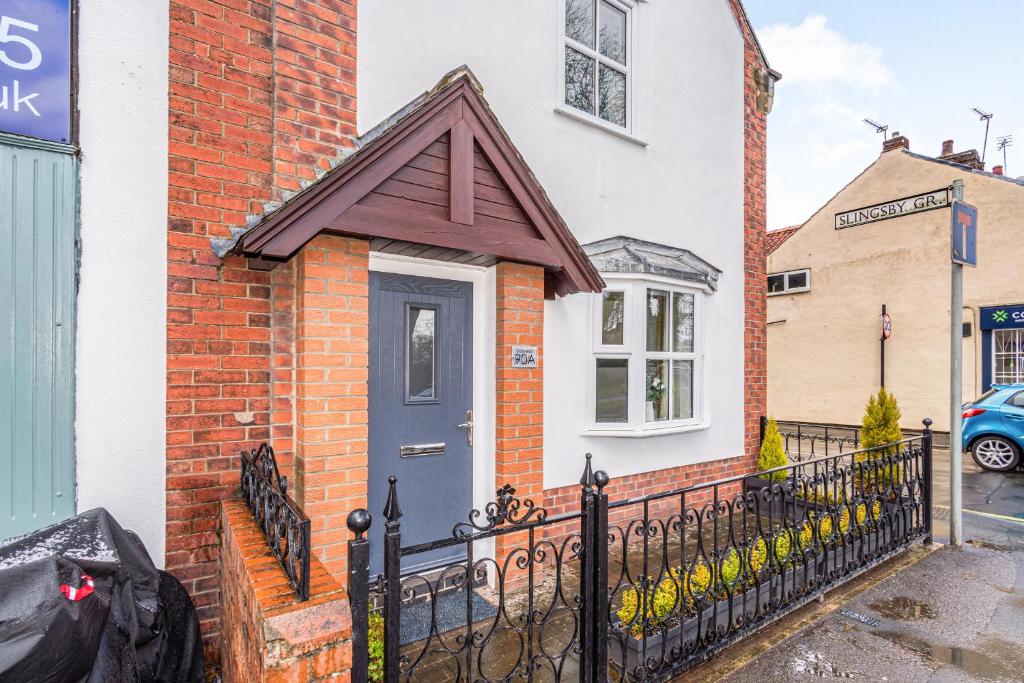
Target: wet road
pixel 957 615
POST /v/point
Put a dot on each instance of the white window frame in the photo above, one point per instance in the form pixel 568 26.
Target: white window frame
pixel 786 289
pixel 629 131
pixel 634 349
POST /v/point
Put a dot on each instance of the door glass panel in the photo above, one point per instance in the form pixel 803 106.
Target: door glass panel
pixel 682 389
pixel 612 390
pixel 682 322
pixel 422 358
pixel 656 405
pixel 657 320
pixel 612 308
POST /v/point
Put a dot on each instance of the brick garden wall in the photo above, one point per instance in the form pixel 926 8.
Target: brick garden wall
pixel 261 95
pixel 268 635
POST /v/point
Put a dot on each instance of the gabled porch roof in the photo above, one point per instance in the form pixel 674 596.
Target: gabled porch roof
pixel 439 179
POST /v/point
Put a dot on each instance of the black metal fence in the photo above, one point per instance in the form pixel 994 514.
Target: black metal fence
pixel 633 590
pixel 284 524
pixel 807 440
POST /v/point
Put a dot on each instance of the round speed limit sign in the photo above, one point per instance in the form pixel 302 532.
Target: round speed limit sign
pixel 886 326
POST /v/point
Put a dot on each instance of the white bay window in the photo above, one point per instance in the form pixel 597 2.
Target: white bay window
pixel 647 355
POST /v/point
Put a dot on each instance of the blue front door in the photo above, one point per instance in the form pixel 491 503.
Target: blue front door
pixel 421 395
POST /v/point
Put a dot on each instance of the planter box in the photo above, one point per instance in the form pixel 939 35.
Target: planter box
pixel 626 652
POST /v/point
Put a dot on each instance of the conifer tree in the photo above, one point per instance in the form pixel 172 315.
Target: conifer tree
pixel 772 453
pixel 881 423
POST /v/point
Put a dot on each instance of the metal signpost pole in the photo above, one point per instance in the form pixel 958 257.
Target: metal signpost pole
pixel 956 314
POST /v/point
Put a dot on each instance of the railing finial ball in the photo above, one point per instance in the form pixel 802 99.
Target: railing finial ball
pixel 927 423
pixel 601 479
pixel 359 521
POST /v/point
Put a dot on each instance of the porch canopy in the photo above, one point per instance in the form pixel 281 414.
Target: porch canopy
pixel 439 179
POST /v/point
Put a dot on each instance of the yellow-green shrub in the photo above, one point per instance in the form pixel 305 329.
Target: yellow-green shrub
pixel 772 454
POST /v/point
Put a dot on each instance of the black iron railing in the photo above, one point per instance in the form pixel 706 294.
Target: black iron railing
pixel 639 589
pixel 282 521
pixel 808 440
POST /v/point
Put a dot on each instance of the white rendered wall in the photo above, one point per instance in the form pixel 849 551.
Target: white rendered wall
pixel 684 188
pixel 120 355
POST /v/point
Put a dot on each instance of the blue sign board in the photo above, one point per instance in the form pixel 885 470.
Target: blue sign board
pixel 1002 317
pixel 35 68
pixel 964 226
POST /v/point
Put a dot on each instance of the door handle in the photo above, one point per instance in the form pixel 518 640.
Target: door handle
pixel 468 426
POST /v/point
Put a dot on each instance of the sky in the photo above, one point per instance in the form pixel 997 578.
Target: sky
pixel 918 66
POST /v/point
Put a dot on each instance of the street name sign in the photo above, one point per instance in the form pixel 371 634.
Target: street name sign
pixel 35 68
pixel 964 227
pixel 926 201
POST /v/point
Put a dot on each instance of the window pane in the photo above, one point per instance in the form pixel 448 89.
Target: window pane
pixel 613 96
pixel 797 280
pixel 612 390
pixel 612 308
pixel 657 390
pixel 421 353
pixel 682 389
pixel 776 283
pixel 613 33
pixel 579 80
pixel 579 21
pixel 657 320
pixel 682 322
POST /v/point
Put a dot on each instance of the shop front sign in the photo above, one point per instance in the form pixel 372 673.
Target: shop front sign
pixel 1002 317
pixel 35 68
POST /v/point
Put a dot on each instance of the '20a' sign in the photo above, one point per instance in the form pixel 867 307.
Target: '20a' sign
pixel 35 68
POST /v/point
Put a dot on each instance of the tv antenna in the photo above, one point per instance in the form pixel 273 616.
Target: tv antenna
pixel 1002 143
pixel 879 128
pixel 982 116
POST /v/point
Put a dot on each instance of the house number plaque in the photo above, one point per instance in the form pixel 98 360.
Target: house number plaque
pixel 524 356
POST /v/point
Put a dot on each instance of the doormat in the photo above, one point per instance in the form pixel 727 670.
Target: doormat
pixel 450 614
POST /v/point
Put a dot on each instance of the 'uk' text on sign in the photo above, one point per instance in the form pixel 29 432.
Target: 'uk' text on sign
pixel 927 201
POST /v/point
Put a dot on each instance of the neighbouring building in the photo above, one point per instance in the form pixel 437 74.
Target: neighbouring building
pixel 535 237
pixel 83 204
pixel 829 279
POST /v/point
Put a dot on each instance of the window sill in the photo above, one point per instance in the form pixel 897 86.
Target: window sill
pixel 644 432
pixel 571 113
pixel 803 290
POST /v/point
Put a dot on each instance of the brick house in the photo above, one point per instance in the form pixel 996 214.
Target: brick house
pixel 440 297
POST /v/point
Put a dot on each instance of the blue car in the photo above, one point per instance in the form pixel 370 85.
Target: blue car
pixel 994 427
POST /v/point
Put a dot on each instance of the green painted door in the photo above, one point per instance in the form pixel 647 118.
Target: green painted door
pixel 38 217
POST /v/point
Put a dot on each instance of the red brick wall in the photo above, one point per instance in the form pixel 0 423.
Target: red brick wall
pixel 755 227
pixel 268 634
pixel 519 401
pixel 332 347
pixel 261 94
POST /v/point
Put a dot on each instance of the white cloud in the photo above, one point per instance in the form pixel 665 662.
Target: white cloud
pixel 812 53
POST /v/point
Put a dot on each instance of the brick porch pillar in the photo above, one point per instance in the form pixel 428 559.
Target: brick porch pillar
pixel 331 373
pixel 519 400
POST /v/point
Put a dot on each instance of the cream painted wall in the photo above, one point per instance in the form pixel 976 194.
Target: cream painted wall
pixel 681 184
pixel 823 349
pixel 120 355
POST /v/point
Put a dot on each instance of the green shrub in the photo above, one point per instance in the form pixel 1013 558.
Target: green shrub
pixel 881 422
pixel 772 453
pixel 663 602
pixel 376 647
pixel 782 545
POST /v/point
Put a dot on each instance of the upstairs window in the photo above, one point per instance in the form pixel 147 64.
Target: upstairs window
pixel 790 282
pixel 597 61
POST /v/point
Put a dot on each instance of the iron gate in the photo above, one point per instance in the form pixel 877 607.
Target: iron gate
pixel 638 589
